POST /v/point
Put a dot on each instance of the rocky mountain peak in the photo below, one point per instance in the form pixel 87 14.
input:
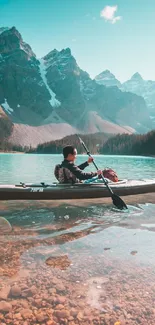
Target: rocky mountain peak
pixel 55 55
pixel 137 77
pixel 66 51
pixel 11 40
pixel 3 29
pixel 108 79
pixel 60 63
pixel 144 88
pixel 52 54
pixel 105 74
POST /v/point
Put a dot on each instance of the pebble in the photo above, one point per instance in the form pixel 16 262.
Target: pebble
pixel 4 292
pixel 15 291
pixel 62 313
pixel 26 313
pixel 46 295
pixel 5 306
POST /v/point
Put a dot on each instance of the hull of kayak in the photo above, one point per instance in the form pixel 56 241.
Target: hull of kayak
pixel 77 191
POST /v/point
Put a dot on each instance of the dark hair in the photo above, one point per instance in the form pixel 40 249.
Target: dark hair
pixel 68 150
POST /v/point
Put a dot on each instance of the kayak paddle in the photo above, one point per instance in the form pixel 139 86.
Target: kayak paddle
pixel 117 201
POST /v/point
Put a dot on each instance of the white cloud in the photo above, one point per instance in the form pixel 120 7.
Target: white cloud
pixel 108 13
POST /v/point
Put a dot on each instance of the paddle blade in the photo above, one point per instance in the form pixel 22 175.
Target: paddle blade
pixel 118 202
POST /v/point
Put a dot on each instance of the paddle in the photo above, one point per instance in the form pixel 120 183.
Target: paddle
pixel 117 201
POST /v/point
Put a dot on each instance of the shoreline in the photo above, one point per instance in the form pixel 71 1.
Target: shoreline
pixel 94 154
pixel 1 152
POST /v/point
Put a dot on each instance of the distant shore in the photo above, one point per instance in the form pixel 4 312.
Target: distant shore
pixel 12 152
pixel 21 152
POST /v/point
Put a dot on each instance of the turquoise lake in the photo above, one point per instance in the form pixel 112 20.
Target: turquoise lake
pixel 15 168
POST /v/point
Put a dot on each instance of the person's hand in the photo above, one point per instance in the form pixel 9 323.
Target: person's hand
pixel 90 160
pixel 99 172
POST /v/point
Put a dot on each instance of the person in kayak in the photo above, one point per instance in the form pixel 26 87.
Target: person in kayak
pixel 69 173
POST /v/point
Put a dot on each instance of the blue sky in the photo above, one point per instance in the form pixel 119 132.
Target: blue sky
pixel 120 39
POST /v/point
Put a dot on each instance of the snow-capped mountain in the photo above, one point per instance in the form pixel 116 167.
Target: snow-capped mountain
pixel 141 87
pixel 136 85
pixel 51 97
pixel 108 79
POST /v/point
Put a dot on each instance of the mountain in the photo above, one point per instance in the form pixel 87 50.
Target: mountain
pixel 141 87
pixel 6 125
pixel 23 92
pixel 108 79
pixel 52 97
pixel 136 85
pixel 6 128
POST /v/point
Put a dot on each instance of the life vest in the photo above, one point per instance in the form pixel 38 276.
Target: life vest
pixel 64 175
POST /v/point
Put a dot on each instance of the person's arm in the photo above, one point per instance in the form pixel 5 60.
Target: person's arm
pixel 79 173
pixel 84 165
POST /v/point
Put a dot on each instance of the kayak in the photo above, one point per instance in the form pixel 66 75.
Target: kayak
pixel 55 191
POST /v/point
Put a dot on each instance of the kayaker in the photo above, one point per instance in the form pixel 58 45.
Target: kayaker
pixel 68 172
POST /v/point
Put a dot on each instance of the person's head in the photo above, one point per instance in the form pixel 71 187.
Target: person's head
pixel 69 153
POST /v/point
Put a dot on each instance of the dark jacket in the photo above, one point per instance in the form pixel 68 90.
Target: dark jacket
pixel 70 173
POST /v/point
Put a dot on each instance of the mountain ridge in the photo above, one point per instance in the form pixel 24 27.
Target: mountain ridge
pixel 55 91
pixel 136 84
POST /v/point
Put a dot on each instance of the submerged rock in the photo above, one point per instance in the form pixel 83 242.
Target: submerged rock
pixel 15 291
pixel 60 262
pixel 5 306
pixel 5 226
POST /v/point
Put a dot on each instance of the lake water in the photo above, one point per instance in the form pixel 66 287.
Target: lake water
pixel 15 168
pixel 76 263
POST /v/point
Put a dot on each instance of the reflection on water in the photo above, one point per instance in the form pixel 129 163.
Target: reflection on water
pixel 77 265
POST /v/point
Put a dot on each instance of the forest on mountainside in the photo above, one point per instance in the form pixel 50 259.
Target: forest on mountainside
pixel 5 146
pixel 92 141
pixel 98 143
pixel 134 144
pixel 101 143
